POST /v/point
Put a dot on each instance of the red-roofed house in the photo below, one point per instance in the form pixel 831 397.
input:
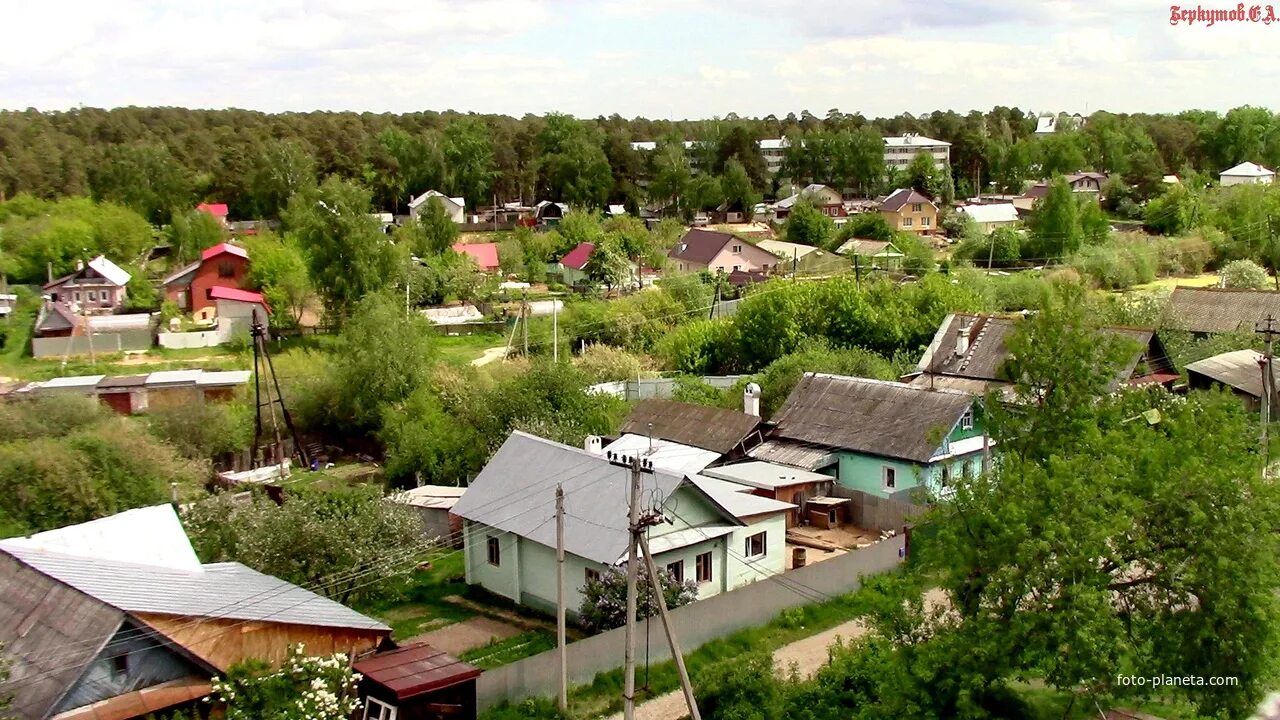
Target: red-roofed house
pixel 222 266
pixel 417 682
pixel 485 254
pixel 573 266
pixel 217 210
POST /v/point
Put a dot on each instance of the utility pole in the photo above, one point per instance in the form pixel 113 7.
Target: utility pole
pixel 1268 329
pixel 857 270
pixel 676 655
pixel 560 643
pixel 637 466
pixel 795 260
pixel 524 317
pixel 555 330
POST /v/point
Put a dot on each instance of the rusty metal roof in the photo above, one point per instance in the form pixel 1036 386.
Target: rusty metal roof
pixel 709 428
pixel 877 417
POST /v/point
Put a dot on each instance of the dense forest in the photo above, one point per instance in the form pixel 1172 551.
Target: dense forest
pixel 157 159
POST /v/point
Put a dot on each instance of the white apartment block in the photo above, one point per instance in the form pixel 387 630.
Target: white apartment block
pixel 901 150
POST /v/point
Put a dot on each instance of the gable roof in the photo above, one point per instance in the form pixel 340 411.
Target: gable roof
pixel 903 196
pixel 577 257
pixel 220 292
pixel 715 429
pixel 808 191
pixel 100 266
pixel 37 615
pixel 990 213
pixel 865 247
pixel 1046 124
pixel 485 254
pixel 1220 310
pixel 913 140
pixel 515 492
pixel 415 202
pixel 223 248
pixel 701 246
pixel 786 250
pixel 765 475
pixel 182 275
pixel 673 456
pixel 1247 169
pixel 733 498
pixel 878 417
pixel 143 536
pixel 218 210
pixel 1238 369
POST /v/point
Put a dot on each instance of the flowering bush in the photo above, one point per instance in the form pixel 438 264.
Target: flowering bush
pixel 306 687
pixel 604 599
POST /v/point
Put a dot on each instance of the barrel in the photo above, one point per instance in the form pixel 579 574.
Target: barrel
pixel 798 557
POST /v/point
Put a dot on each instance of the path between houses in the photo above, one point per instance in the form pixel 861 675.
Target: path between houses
pixel 489 355
pixel 806 655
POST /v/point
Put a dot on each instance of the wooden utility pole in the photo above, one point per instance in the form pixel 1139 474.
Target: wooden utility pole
pixel 857 271
pixel 637 466
pixel 560 641
pixel 676 655
pixel 1268 329
pixel 524 317
pixel 555 330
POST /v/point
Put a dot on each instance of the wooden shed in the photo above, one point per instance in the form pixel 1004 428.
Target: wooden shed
pixel 417 682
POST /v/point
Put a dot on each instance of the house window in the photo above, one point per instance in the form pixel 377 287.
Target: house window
pixel 93 296
pixel 946 476
pixel 755 545
pixel 890 477
pixel 966 471
pixel 676 570
pixel 735 268
pixel 737 248
pixel 495 553
pixel 702 567
pixel 966 420
pixel 915 207
pixel 592 576
pixel 375 709
pixel 77 296
pixel 120 664
pixel 226 270
pixel 924 222
pixel 906 222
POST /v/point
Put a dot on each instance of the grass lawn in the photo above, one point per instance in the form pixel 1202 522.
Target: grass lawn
pixel 339 476
pixel 423 607
pixel 462 349
pixel 524 645
pixel 1169 283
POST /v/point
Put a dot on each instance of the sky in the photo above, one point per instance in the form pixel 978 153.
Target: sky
pixel 653 58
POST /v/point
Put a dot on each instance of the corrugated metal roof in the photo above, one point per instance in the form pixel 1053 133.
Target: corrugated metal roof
pixel 765 475
pixel 684 538
pixel 795 454
pixel 142 536
pixel 73 381
pixel 439 497
pixel 416 669
pixel 224 377
pixel 1238 369
pixel 174 377
pixel 716 429
pixel 665 454
pixel 515 492
pixel 741 504
pixel 1220 310
pixel 219 590
pixel 878 417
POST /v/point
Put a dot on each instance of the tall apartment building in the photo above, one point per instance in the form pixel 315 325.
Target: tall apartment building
pixel 901 150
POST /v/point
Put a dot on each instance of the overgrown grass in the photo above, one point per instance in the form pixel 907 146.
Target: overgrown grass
pixel 422 606
pixel 509 650
pixel 1046 703
pixel 462 349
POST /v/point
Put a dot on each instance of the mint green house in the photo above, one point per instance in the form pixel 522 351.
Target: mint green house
pixel 883 438
pixel 715 535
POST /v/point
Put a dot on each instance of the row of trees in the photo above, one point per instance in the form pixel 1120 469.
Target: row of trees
pixel 156 159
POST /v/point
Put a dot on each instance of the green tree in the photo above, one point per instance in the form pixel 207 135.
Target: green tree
pixel 672 174
pixel 1172 213
pixel 608 264
pixel 348 253
pixel 433 232
pixel 468 155
pixel 279 270
pixel 280 169
pixel 191 231
pixel 303 688
pixel 738 190
pixel 336 541
pixel 740 688
pixel 808 226
pixel 202 431
pixel 145 177
pixel 426 444
pixel 868 226
pixel 1055 223
pixel 1244 274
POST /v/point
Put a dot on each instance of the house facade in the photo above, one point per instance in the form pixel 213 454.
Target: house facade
pixel 908 210
pixel 1247 173
pixel 98 286
pixel 827 201
pixel 883 438
pixel 485 255
pixel 880 254
pixel 990 216
pixel 899 151
pixel 510 548
pixel 454 207
pixel 719 253
pixel 224 265
pixel 572 268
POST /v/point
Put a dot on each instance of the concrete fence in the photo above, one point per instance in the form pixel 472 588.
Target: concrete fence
pixel 662 388
pixel 871 512
pixel 193 339
pixel 696 624
pixel 102 343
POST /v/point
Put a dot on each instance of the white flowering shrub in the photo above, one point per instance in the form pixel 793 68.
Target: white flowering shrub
pixel 305 687
pixel 604 600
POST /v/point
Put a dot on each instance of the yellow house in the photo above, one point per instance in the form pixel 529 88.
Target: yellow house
pixel 907 210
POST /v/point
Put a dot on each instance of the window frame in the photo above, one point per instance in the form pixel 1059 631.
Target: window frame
pixel 763 537
pixel 386 711
pixel 676 570
pixel 493 549
pixel 889 477
pixel 966 420
pixel 590 575
pixel 701 562
pixel 924 221
pixel 906 222
pixel 737 248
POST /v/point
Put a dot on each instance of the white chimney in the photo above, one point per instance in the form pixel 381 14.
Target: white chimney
pixel 594 444
pixel 751 399
pixel 962 341
pixel 79 265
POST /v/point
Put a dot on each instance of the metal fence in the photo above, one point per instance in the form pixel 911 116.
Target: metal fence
pixel 696 624
pixel 103 343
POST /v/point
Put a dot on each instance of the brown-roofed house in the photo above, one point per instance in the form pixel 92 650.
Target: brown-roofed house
pixel 909 210
pixel 417 682
pixel 1239 370
pixel 1204 311
pixel 718 252
pixel 883 438
pixel 968 354
pixel 727 432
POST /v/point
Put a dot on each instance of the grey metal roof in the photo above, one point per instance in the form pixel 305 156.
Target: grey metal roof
pixel 1220 310
pixel 515 492
pixel 218 590
pixel 50 632
pixel 704 427
pixel 765 475
pixel 889 419
pixel 792 453
pixel 1238 369
pixel 741 504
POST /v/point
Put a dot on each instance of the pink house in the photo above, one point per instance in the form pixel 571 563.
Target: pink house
pixel 217 210
pixel 485 254
pixel 718 253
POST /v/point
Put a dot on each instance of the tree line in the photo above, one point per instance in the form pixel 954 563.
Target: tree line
pixel 157 159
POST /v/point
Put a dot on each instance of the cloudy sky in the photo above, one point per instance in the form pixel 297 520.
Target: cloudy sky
pixel 656 58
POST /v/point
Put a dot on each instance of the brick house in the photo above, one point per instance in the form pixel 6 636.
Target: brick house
pixel 222 266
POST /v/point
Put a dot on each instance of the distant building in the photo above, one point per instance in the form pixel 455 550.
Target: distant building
pixel 1211 310
pixel 872 253
pixel 455 207
pixel 909 210
pixel 991 216
pixel 719 252
pixel 774 150
pixel 1058 122
pixel 826 200
pixel 131 394
pixel 1247 173
pixel 218 211
pixel 95 287
pixel 899 151
pixel 485 255
pixel 547 213
pixel 572 268
pixel 224 265
pixel 1240 371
